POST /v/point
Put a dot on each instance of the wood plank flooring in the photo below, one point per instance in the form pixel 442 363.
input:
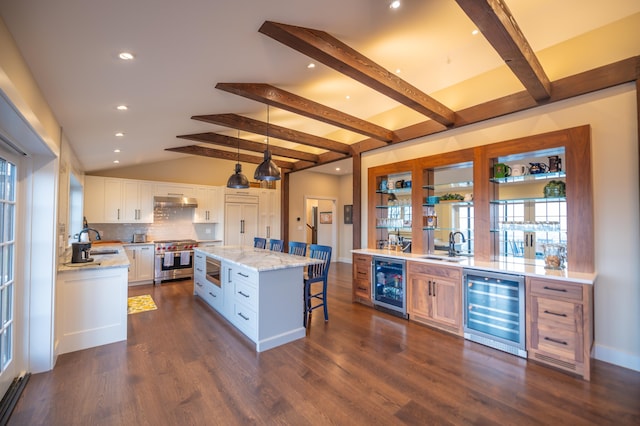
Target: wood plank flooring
pixel 183 364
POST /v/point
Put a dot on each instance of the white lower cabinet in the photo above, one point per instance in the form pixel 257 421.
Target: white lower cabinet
pixel 141 263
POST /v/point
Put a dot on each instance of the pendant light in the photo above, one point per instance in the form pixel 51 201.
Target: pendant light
pixel 238 180
pixel 267 170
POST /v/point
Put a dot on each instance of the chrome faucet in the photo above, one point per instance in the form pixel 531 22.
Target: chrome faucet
pixel 87 231
pixel 452 242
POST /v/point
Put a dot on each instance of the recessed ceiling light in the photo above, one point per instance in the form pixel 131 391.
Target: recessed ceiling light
pixel 119 134
pixel 475 32
pixel 398 71
pixel 394 4
pixel 116 161
pixel 116 150
pixel 122 107
pixel 311 65
pixel 126 56
pixel 348 97
pixel 337 169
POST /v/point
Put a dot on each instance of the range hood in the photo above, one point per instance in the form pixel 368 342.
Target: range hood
pixel 175 201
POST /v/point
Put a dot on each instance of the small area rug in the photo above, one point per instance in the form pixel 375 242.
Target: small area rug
pixel 137 304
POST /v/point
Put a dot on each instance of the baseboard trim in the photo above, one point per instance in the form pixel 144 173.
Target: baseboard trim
pixel 616 357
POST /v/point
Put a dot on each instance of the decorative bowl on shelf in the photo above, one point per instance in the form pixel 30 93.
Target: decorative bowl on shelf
pixel 554 189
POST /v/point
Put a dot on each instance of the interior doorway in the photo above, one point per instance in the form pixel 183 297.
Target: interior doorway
pixel 321 222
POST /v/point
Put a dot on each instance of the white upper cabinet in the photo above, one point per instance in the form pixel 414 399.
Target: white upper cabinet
pixel 269 214
pixel 210 204
pixel 113 200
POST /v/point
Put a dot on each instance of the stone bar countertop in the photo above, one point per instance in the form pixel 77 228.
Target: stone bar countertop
pixel 255 258
pixel 502 265
pixel 100 261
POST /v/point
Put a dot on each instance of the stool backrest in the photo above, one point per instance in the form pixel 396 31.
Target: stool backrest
pixel 297 248
pixel 276 245
pixel 317 251
pixel 260 242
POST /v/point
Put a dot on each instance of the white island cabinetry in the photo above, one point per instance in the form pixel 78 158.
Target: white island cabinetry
pixel 262 293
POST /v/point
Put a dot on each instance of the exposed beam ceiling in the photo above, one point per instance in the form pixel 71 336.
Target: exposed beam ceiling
pixel 226 155
pixel 247 124
pixel 496 23
pixel 231 142
pixel 274 96
pixel 325 48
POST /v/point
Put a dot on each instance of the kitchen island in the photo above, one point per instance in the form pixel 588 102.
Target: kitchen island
pixel 91 300
pixel 259 291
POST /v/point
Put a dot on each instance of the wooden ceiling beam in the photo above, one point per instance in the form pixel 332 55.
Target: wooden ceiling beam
pixel 236 121
pixel 496 23
pixel 232 156
pixel 325 48
pixel 274 96
pixel 231 142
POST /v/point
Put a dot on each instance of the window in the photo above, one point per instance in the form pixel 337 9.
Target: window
pixel 7 250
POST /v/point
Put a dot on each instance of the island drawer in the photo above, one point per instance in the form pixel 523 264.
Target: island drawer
pixel 244 275
pixel 246 294
pixel 209 293
pixel 434 270
pixel 556 313
pixel 246 319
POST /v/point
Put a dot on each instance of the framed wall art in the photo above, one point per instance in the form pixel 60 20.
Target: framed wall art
pixel 326 217
pixel 348 214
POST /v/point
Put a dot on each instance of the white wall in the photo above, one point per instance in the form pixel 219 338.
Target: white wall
pixel 613 118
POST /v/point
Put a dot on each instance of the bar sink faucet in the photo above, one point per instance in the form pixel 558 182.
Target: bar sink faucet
pixel 87 231
pixel 452 242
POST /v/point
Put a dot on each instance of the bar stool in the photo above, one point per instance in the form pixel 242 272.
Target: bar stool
pixel 316 274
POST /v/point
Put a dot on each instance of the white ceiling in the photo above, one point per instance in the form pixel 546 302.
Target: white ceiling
pixel 184 48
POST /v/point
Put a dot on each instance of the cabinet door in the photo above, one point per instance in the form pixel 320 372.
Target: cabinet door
pixel 113 200
pixel 202 212
pixel 94 199
pixel 145 202
pixel 130 201
pixel 446 305
pixel 233 224
pixel 145 263
pixel 250 217
pixel 362 278
pixel 419 296
pixel 131 254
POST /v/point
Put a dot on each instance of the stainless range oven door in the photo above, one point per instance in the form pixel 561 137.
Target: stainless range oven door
pixel 173 265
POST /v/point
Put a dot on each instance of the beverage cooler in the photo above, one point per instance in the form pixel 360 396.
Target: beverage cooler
pixel 389 286
pixel 494 312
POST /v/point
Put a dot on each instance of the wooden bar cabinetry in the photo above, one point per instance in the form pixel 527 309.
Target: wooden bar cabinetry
pixel 362 279
pixel 560 324
pixel 435 296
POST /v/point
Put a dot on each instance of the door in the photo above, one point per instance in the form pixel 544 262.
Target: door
pixel 9 331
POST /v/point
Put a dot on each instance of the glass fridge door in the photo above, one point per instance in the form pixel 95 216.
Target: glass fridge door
pixel 389 284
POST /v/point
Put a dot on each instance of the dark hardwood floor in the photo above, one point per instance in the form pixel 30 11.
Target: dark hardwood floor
pixel 183 364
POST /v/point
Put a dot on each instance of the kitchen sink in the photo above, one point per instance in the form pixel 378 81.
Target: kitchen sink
pixel 101 252
pixel 444 258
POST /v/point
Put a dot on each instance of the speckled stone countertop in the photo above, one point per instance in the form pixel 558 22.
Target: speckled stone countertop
pixel 534 270
pixel 100 261
pixel 255 258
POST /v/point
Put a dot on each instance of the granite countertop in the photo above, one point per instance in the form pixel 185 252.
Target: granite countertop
pixel 533 270
pixel 100 261
pixel 255 258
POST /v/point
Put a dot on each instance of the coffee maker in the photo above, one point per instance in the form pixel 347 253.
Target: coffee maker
pixel 80 253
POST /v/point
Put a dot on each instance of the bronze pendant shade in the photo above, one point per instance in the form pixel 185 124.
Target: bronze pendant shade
pixel 267 170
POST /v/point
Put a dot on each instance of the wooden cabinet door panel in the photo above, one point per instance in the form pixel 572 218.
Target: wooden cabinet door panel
pixel 419 297
pixel 446 304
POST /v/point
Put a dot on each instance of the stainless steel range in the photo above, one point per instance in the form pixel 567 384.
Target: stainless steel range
pixel 173 260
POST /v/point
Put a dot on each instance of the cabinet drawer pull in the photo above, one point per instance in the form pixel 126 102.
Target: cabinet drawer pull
pixel 363 288
pixel 198 284
pixel 243 275
pixel 242 316
pixel 212 295
pixel 198 269
pixel 563 290
pixel 243 294
pixel 561 342
pixel 434 289
pixel 555 313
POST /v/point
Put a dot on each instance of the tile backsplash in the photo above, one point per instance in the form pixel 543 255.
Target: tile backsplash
pixel 168 223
